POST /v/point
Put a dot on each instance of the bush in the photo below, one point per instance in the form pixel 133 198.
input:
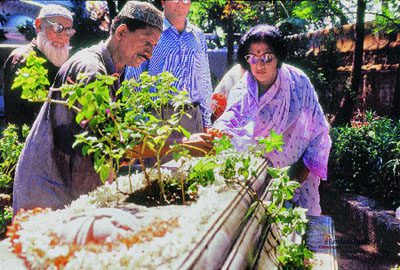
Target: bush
pixel 27 29
pixel 366 160
pixel 11 144
pixel 5 220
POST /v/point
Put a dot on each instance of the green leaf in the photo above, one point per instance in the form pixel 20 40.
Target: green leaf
pixel 251 210
pixel 184 131
pixel 104 172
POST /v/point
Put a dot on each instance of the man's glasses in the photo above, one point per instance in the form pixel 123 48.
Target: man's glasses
pixel 265 58
pixel 59 28
pixel 177 1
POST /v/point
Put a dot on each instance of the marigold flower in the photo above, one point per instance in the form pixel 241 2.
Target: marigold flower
pixel 218 104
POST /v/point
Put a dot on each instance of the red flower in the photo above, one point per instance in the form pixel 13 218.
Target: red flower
pixel 215 132
pixel 218 104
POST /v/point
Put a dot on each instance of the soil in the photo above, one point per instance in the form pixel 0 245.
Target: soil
pixel 5 200
pixel 353 253
pixel 149 196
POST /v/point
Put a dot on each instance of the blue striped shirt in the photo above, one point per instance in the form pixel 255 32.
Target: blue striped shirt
pixel 185 56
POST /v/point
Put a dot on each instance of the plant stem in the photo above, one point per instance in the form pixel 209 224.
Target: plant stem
pixel 130 176
pixel 56 101
pixel 146 175
pixel 159 176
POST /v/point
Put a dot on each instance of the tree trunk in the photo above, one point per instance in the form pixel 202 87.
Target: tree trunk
pixel 396 96
pixel 230 39
pixel 348 103
pixel 395 112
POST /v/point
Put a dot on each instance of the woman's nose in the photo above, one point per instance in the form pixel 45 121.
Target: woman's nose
pixel 260 65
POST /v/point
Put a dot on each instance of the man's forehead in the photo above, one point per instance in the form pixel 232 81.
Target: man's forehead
pixel 59 19
pixel 148 31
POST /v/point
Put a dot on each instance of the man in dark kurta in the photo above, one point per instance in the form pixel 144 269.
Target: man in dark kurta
pixel 50 173
pixel 53 26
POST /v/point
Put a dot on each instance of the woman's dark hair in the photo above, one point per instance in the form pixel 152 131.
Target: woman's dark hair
pixel 132 24
pixel 267 34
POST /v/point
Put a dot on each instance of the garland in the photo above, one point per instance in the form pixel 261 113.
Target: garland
pixel 156 229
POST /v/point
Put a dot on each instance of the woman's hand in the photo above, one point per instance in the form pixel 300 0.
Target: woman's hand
pixel 199 144
pixel 298 171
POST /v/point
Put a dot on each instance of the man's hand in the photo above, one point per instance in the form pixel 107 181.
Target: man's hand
pixel 140 152
pixel 199 144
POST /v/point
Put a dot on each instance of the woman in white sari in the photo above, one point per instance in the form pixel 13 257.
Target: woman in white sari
pixel 272 95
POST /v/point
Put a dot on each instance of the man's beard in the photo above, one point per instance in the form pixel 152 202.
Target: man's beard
pixel 57 56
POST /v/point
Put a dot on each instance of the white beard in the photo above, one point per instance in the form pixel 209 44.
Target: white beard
pixel 57 56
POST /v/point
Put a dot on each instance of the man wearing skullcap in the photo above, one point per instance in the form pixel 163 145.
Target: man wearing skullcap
pixel 54 30
pixel 50 173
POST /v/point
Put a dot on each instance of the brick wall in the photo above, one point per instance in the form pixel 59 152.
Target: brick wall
pixel 333 51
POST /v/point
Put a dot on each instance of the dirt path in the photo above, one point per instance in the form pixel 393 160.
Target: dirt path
pixel 354 250
pixel 354 254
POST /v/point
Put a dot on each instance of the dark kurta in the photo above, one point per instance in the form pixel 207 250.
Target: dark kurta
pixel 21 111
pixel 50 173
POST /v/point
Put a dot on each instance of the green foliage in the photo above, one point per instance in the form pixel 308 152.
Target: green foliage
pixel 236 168
pixel 202 173
pixel 222 144
pixel 294 257
pixel 366 160
pixel 319 12
pixel 273 141
pixel 115 125
pixel 292 25
pixel 27 30
pixel 388 20
pixel 213 15
pixel 32 78
pixel 5 219
pixel 10 149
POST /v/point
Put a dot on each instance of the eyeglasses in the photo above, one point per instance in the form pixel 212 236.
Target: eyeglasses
pixel 177 1
pixel 59 28
pixel 265 58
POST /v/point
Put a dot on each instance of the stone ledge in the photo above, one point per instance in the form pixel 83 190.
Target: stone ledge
pixel 372 224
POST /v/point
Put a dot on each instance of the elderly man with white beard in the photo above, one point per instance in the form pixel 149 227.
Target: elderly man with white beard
pixel 54 30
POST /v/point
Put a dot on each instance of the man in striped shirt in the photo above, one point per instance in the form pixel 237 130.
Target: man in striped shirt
pixel 182 50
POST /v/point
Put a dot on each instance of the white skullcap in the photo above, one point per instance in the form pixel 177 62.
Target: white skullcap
pixel 52 10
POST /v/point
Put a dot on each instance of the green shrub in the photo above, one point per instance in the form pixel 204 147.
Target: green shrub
pixel 5 220
pixel 366 160
pixel 10 149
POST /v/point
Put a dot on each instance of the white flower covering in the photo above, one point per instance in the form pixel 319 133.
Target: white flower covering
pixel 166 252
pixel 162 253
